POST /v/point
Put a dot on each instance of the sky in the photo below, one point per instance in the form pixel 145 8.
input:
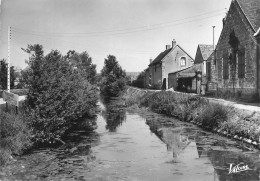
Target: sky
pixel 133 30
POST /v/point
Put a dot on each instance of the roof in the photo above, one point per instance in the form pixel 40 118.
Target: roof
pixel 190 69
pixel 161 56
pixel 206 50
pixel 251 9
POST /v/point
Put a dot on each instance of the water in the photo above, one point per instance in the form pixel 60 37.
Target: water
pixel 124 148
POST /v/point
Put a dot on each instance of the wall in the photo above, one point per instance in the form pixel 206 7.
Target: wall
pixel 171 63
pixel 147 79
pixel 172 81
pixel 258 67
pixel 156 75
pixel 245 87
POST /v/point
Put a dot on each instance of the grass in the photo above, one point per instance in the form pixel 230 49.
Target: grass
pixel 210 116
pixel 15 136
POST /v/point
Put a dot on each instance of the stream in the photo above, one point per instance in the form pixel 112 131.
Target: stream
pixel 123 148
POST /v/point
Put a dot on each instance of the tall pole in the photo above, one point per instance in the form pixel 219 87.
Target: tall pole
pixel 8 59
pixel 213 38
pixel 215 61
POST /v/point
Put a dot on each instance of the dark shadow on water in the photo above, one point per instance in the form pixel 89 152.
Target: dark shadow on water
pixel 114 112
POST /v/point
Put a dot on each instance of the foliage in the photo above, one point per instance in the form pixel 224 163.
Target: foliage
pixel 113 77
pixel 3 75
pixel 84 65
pixel 212 116
pixel 15 135
pixel 139 82
pixel 60 94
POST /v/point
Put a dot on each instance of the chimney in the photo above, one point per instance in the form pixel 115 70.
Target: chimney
pixel 151 60
pixel 168 47
pixel 224 21
pixel 173 43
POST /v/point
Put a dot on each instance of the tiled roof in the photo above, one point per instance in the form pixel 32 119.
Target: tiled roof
pixel 206 51
pixel 251 9
pixel 160 56
pixel 192 69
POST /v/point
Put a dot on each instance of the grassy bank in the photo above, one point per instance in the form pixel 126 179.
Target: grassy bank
pixel 213 117
pixel 15 136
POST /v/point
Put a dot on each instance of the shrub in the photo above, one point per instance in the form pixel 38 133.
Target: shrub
pixel 15 135
pixel 59 95
pixel 212 116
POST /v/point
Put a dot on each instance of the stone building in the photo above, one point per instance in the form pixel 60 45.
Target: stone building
pixel 172 59
pixel 202 54
pixel 234 67
pixel 185 79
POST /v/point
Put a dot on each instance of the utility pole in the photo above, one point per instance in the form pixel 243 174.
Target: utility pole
pixel 8 59
pixel 213 37
pixel 215 61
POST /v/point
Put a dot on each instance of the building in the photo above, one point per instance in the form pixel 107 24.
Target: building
pixel 174 58
pixel 186 79
pixel 235 65
pixel 202 54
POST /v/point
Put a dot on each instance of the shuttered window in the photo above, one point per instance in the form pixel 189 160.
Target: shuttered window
pixel 225 65
pixel 241 63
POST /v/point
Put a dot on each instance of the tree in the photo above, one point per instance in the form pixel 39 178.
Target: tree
pixel 83 63
pixel 139 82
pixel 113 77
pixel 3 75
pixel 59 96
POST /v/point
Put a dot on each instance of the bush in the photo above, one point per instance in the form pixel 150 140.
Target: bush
pixel 15 135
pixel 59 96
pixel 212 116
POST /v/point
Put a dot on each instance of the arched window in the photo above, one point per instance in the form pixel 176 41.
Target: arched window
pixel 183 61
pixel 241 63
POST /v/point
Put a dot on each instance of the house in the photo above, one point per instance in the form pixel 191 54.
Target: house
pixel 185 79
pixel 235 65
pixel 202 54
pixel 174 58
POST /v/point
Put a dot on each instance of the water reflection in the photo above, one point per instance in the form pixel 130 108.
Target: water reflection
pixel 174 139
pixel 220 152
pixel 177 151
pixel 113 113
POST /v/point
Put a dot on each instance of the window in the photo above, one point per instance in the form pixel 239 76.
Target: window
pixel 155 67
pixel 225 65
pixel 209 71
pixel 183 61
pixel 241 63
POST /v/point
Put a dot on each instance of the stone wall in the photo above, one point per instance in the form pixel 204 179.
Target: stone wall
pixel 245 87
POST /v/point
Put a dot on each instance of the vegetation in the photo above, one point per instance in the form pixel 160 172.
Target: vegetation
pixel 113 79
pixel 61 96
pixel 60 92
pixel 198 110
pixel 3 75
pixel 15 135
pixel 139 82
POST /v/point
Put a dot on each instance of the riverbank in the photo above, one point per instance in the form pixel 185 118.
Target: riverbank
pixel 223 117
